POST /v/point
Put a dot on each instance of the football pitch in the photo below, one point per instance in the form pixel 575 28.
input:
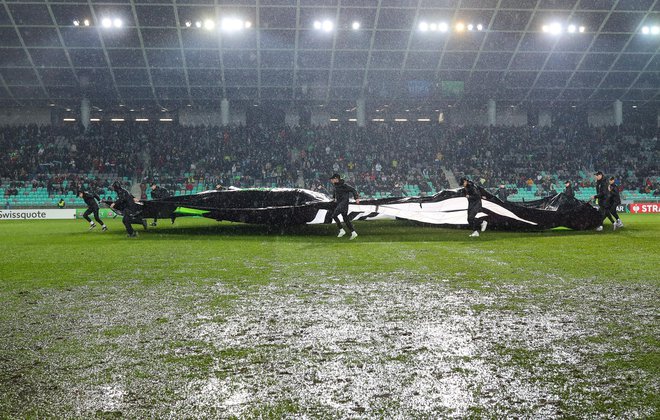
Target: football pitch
pixel 205 319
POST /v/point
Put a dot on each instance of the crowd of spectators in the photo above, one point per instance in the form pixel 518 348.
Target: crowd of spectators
pixel 377 158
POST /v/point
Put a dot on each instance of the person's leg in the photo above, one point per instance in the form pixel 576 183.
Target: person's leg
pixel 126 220
pixel 97 217
pixel 347 221
pixel 86 215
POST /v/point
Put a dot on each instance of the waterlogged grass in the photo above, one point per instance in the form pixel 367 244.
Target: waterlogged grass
pixel 227 320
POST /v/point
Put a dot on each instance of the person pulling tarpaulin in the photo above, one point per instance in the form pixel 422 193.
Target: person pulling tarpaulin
pixel 130 208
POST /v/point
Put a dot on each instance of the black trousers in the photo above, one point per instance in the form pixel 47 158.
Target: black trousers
pixel 613 212
pixel 474 207
pixel 343 210
pixel 91 210
pixel 605 213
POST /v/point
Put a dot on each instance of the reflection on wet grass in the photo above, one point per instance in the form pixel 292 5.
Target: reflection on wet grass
pixel 233 321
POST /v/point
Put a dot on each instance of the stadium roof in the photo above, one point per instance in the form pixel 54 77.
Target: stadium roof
pixel 152 51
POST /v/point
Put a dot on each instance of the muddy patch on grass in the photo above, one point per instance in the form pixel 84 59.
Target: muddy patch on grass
pixel 395 345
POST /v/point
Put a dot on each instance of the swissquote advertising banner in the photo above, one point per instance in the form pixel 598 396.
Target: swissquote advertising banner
pixel 37 214
pixel 103 213
pixel 644 208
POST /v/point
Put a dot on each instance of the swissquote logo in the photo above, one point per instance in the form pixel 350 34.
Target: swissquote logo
pixel 644 208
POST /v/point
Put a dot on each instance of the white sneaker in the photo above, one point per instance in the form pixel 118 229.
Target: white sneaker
pixel 619 223
pixel 342 232
pixel 92 226
pixel 614 226
pixel 484 224
pixel 353 235
pixel 599 228
pixel 474 234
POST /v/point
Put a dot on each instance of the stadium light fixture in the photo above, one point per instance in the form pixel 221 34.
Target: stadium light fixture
pixel 95 119
pixel 86 22
pixel 188 24
pixel 433 27
pixel 248 24
pixel 480 27
pixel 231 24
pixel 106 22
pixel 142 119
pixel 68 119
pixel 401 119
pixel 76 22
pixel 443 27
pixel 378 120
pixel 571 29
pixel 209 24
pixel 198 24
pixel 118 23
pixel 117 119
pixel 581 29
pixel 470 27
pixel 317 25
pixel 655 30
pixel 352 119
pixel 166 119
pixel 646 30
pixel 423 26
pixel 328 26
pixel 334 119
pixel 424 119
pixel 355 25
pixel 460 27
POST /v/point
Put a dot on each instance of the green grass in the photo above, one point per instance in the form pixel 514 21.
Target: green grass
pixel 230 320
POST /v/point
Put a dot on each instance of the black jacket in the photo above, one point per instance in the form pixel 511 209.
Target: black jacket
pixel 472 192
pixel 342 193
pixel 124 200
pixel 601 190
pixel 568 192
pixel 613 197
pixel 159 192
pixel 91 199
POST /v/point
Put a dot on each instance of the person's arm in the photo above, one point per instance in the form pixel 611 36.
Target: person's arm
pixel 356 196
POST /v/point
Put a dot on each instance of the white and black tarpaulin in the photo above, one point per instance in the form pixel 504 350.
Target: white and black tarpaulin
pixel 292 206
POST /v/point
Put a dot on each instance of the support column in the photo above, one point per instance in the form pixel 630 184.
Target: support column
pixel 545 118
pixel 361 113
pixel 85 112
pixel 224 111
pixel 618 112
pixel 492 112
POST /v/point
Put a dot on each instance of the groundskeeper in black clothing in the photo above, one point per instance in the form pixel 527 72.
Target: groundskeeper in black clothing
pixel 157 193
pixel 473 195
pixel 91 200
pixel 130 208
pixel 341 195
pixel 601 197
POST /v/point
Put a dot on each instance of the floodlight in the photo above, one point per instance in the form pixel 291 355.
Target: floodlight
pixel 572 29
pixel 423 26
pixel 470 27
pixel 581 29
pixel 118 23
pixel 460 27
pixel 443 27
pixel 198 24
pixel 655 30
pixel 646 30
pixel 106 22
pixel 433 27
pixel 231 24
pixel 188 24
pixel 480 27
pixel 209 24
pixel 355 26
pixel 117 119
pixel 317 24
pixel 86 22
pixel 248 24
pixel 76 22
pixel 327 25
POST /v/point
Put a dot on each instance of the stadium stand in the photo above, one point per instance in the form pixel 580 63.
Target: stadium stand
pixel 43 164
